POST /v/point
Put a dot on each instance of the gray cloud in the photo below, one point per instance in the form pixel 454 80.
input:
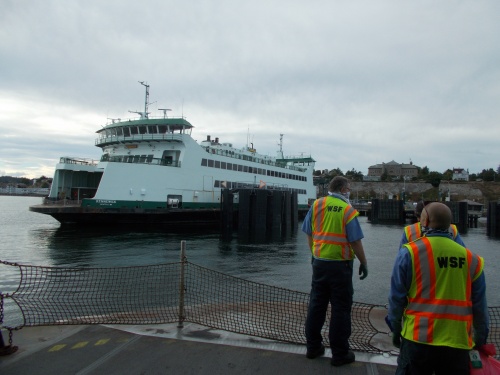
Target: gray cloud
pixel 354 83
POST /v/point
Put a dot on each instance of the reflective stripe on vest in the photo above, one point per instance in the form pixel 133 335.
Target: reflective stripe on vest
pixel 453 230
pixel 329 217
pixel 414 231
pixel 435 314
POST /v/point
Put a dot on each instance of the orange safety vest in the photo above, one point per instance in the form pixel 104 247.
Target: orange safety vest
pixel 414 231
pixel 330 216
pixel 439 310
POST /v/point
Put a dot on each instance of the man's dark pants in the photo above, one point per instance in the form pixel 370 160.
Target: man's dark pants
pixel 421 359
pixel 331 283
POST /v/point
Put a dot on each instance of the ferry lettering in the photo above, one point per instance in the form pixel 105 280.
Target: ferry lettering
pixel 334 208
pixel 454 262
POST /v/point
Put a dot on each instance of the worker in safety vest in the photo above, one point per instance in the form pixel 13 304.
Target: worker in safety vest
pixel 437 303
pixel 334 237
pixel 414 231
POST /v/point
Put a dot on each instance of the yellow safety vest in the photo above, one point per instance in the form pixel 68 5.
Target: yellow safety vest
pixel 439 310
pixel 330 216
pixel 414 231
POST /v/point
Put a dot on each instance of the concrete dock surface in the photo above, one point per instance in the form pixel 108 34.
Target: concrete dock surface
pixel 166 349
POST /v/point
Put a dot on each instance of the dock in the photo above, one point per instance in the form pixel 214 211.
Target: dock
pixel 165 349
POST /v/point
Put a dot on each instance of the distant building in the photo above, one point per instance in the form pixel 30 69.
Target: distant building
pixel 460 174
pixel 392 169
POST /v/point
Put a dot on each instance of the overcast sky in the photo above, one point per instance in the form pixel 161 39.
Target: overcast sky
pixel 353 83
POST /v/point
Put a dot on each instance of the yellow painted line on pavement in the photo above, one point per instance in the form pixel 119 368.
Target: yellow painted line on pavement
pixel 80 345
pixel 56 348
pixel 101 342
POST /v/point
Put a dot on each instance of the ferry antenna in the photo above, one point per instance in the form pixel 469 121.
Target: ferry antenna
pixel 146 101
pixel 164 111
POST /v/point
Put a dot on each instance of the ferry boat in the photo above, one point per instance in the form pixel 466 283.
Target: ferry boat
pixel 152 171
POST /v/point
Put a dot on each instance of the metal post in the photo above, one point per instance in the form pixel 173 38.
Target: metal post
pixel 182 287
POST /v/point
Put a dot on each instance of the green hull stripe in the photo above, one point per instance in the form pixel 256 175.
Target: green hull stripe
pixel 104 203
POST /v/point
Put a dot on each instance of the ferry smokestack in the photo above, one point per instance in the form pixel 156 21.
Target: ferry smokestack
pixel 208 138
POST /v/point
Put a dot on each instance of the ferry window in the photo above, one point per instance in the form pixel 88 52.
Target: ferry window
pixel 152 129
pixel 210 163
pixel 240 168
pixel 223 165
pixel 217 164
pixel 133 130
pixel 150 158
pixel 268 172
pixel 136 158
pixel 143 159
pixel 245 168
pixel 143 129
pixel 162 129
pixel 229 166
pixel 126 132
pixel 119 131
pixel 167 160
pixel 235 167
pixel 216 183
pixel 203 162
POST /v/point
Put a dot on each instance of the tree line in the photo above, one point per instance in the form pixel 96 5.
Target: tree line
pixel 432 177
pixel 41 182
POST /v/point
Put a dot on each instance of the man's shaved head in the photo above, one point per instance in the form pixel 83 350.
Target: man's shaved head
pixel 436 216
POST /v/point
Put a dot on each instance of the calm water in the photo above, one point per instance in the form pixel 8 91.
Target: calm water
pixel 31 238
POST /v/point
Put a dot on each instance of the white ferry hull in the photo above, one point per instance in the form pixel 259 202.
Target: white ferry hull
pixel 153 171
